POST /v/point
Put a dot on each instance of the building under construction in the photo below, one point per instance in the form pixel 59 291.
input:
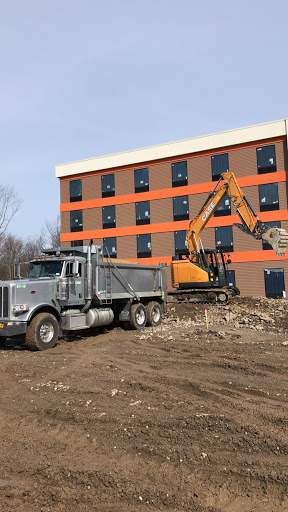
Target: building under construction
pixel 139 203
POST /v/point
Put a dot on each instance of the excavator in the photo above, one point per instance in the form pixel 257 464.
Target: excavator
pixel 204 272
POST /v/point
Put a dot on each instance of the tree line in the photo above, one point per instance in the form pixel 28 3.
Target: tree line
pixel 15 249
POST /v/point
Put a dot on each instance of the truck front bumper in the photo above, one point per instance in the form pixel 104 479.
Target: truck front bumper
pixel 9 329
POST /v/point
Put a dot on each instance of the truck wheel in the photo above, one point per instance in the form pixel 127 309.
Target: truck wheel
pixel 154 315
pixel 138 316
pixel 43 332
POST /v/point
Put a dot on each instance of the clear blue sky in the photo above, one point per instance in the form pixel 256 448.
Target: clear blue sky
pixel 86 78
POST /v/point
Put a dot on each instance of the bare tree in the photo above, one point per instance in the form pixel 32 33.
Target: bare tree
pixel 9 205
pixel 51 232
pixel 11 249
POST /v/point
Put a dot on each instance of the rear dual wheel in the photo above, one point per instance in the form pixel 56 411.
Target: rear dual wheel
pixel 141 316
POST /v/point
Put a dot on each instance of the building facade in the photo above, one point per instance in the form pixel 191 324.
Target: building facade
pixel 138 203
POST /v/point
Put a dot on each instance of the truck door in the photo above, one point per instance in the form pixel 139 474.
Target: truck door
pixel 76 283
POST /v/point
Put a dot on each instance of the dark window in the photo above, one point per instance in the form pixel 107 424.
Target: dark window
pixel 266 159
pixel 268 197
pixel 179 174
pixel 274 282
pixel 76 243
pixel 142 212
pixel 108 216
pixel 219 164
pixel 76 223
pixel 224 238
pixel 141 178
pixel 180 208
pixel 180 242
pixel 273 224
pixel 224 208
pixel 108 185
pixel 143 246
pixel 75 191
pixel 231 278
pixel 110 245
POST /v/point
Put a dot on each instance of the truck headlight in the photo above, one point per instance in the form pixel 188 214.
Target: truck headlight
pixel 20 308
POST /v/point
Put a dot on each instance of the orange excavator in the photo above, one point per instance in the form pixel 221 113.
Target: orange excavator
pixel 201 271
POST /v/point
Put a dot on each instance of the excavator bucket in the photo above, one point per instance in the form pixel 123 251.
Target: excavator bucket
pixel 278 239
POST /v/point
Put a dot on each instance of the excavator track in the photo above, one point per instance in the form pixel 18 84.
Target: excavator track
pixel 220 296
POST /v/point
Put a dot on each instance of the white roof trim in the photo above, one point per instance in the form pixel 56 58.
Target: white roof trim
pixel 174 149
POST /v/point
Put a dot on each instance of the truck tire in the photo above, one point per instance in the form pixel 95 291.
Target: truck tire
pixel 138 316
pixel 43 332
pixel 154 315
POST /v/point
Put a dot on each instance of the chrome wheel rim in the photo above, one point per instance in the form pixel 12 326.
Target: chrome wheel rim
pixel 46 332
pixel 156 314
pixel 140 316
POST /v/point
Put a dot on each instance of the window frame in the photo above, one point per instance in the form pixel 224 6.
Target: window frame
pixel 107 191
pixel 225 248
pixel 112 223
pixel 77 197
pixel 73 228
pixel 176 172
pixel 111 253
pixel 216 164
pixel 268 168
pixel 144 254
pixel 144 219
pixel 184 215
pixel 271 206
pixel 142 187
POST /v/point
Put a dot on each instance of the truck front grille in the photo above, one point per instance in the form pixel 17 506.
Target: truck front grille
pixel 3 301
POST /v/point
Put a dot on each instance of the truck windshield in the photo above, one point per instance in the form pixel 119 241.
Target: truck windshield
pixel 45 269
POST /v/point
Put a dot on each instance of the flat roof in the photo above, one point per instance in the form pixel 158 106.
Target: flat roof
pixel 173 149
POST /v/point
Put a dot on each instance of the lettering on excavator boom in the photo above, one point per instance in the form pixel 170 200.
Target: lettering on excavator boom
pixel 208 211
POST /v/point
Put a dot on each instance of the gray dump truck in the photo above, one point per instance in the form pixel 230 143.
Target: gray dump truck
pixel 80 288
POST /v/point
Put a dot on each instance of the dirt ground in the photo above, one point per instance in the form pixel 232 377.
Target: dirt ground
pixel 185 417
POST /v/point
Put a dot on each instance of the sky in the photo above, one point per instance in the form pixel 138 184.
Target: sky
pixel 85 78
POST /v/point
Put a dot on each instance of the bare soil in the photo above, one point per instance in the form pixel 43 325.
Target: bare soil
pixel 190 416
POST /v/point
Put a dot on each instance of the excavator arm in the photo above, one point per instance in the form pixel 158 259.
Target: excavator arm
pixel 251 224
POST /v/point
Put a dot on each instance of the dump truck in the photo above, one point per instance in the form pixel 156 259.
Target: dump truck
pixel 203 272
pixel 78 288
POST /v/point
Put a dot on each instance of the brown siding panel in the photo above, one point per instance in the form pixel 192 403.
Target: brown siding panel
pixel 65 191
pixel 65 222
pixel 91 187
pixel 199 170
pixel 92 219
pixel 161 210
pixel 162 243
pixel 160 176
pixel 125 215
pixel 124 182
pixel 127 247
pixel 243 162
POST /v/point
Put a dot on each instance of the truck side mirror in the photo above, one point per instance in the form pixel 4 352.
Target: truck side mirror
pixel 75 268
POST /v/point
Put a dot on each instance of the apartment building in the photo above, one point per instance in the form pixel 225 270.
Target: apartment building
pixel 138 203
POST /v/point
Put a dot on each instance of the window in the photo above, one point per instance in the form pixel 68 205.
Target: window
pixel 69 269
pixel 77 243
pixel 141 178
pixel 110 244
pixel 274 282
pixel 268 197
pixel 180 242
pixel 142 212
pixel 76 223
pixel 179 174
pixel 108 217
pixel 144 246
pixel 75 191
pixel 108 185
pixel 273 224
pixel 224 238
pixel 266 159
pixel 180 208
pixel 219 164
pixel 224 208
pixel 231 278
